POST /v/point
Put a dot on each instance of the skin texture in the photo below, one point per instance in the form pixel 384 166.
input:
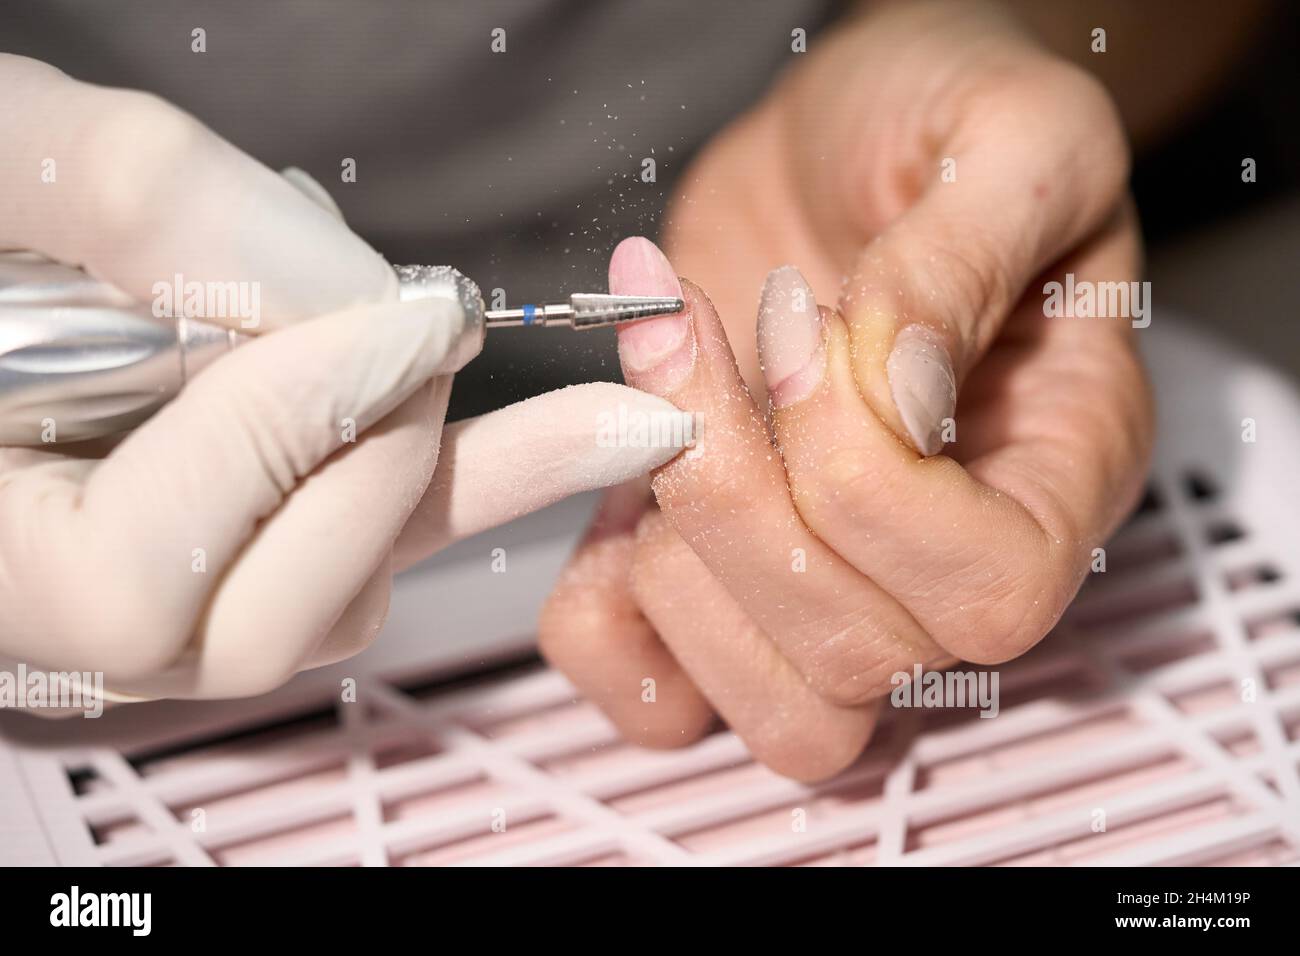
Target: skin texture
pixel 241 535
pixel 908 557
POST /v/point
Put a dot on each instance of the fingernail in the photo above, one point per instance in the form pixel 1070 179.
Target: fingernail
pixel 658 353
pixel 923 385
pixel 791 342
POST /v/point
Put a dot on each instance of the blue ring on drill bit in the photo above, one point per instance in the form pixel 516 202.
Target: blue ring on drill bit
pixel 530 314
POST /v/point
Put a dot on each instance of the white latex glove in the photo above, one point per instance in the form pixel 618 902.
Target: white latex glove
pixel 248 468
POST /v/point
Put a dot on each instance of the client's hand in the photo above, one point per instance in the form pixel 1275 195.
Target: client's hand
pixel 802 556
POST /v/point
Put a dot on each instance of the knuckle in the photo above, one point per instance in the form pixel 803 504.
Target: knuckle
pixel 350 639
pixel 1065 113
pixel 853 684
pixel 232 671
pixel 811 751
pixel 1030 92
pixel 840 471
pixel 561 618
pixel 840 474
pixel 1092 108
pixel 304 643
pixel 705 487
pixel 590 597
pixel 121 639
pixel 571 620
pixel 1084 90
pixel 129 623
pixel 31 67
pixel 668 729
pixel 137 141
pixel 658 551
pixel 1009 614
pixel 259 677
pixel 855 664
pixel 828 492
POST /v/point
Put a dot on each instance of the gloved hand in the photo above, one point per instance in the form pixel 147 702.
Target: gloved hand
pixel 240 535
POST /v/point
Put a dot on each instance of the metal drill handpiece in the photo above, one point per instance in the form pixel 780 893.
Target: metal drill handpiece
pixel 80 355
pixel 586 310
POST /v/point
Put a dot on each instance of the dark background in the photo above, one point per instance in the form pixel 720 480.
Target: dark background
pixel 522 169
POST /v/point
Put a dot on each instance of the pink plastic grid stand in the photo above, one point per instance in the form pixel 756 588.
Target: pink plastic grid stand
pixel 1167 704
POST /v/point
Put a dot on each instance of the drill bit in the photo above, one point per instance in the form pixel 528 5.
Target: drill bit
pixel 586 310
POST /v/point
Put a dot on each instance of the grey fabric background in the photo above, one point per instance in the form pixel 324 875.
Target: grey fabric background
pixel 521 169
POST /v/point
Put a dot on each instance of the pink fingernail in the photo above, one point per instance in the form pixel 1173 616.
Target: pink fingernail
pixel 657 353
pixel 791 347
pixel 923 385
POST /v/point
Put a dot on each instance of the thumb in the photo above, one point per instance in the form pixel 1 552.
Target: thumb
pixel 1037 164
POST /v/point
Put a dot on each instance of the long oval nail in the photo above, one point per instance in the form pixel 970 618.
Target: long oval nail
pixel 791 340
pixel 923 385
pixel 658 353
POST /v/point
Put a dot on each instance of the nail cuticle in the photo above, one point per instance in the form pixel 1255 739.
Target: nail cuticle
pixel 800 385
